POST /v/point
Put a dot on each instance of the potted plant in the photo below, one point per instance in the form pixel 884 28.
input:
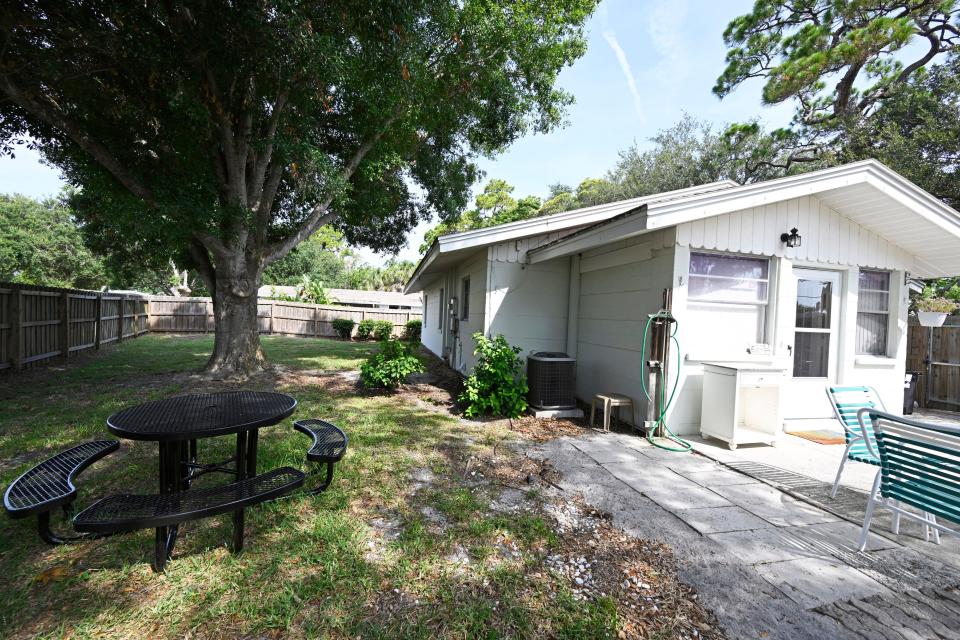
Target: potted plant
pixel 933 311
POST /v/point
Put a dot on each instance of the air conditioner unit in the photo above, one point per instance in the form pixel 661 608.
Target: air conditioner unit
pixel 551 377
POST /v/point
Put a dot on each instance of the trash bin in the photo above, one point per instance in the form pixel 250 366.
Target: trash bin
pixel 910 379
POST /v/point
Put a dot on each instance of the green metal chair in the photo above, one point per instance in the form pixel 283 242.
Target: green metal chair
pixel 846 402
pixel 919 466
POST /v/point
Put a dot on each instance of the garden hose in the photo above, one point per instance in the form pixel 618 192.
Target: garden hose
pixel 661 421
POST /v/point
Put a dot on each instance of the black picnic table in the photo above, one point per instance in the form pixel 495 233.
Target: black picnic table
pixel 177 423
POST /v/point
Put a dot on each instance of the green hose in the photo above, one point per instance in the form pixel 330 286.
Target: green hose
pixel 661 421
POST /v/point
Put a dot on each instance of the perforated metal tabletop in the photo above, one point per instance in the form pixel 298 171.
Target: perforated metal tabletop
pixel 201 415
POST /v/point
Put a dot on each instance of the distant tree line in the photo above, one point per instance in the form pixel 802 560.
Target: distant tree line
pixel 42 242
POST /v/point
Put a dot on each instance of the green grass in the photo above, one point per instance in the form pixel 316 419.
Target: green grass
pixel 313 566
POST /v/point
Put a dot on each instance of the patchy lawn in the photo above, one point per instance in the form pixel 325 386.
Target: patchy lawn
pixel 433 526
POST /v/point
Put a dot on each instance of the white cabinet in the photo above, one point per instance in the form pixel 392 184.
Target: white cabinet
pixel 741 402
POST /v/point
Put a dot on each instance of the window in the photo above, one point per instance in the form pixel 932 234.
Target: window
pixel 426 305
pixel 465 304
pixel 440 310
pixel 727 303
pixel 873 312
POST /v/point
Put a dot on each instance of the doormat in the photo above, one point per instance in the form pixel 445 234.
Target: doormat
pixel 820 436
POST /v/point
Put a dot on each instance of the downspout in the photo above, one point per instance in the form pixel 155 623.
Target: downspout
pixel 573 306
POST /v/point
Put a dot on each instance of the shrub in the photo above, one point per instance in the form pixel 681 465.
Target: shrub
pixel 382 329
pixel 343 327
pixel 414 330
pixel 390 365
pixel 496 385
pixel 364 329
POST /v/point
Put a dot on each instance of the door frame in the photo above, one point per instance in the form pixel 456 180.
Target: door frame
pixel 808 391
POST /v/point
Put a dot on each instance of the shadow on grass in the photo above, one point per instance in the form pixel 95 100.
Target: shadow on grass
pixel 298 550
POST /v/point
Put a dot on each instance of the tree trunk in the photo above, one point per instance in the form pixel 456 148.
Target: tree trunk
pixel 236 348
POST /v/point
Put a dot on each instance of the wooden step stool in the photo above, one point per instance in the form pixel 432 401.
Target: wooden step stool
pixel 610 401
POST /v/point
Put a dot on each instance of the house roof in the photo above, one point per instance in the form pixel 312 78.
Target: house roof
pixel 452 247
pixel 868 192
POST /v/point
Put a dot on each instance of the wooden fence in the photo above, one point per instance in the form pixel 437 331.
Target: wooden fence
pixel 38 324
pixel 935 353
pixel 169 314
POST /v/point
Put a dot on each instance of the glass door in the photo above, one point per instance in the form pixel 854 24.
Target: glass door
pixel 814 348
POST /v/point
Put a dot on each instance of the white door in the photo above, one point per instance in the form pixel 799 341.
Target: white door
pixel 816 329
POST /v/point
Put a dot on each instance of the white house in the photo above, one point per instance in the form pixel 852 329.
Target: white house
pixel 832 309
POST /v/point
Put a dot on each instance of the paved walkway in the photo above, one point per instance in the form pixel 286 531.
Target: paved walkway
pixel 770 564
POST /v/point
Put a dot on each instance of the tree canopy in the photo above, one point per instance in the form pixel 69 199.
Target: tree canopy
pixel 837 60
pixel 40 243
pixel 223 135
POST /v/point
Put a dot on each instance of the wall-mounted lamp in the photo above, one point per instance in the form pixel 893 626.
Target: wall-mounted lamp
pixel 791 239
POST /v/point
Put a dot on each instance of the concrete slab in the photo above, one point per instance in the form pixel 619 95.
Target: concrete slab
pixel 774 506
pixel 839 537
pixel 721 519
pixel 608 450
pixel 684 494
pixel 761 545
pixel 717 477
pixel 811 582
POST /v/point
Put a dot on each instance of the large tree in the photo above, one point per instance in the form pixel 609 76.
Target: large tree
pixel 223 134
pixel 838 59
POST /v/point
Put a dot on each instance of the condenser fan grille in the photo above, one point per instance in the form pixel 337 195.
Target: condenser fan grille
pixel 551 377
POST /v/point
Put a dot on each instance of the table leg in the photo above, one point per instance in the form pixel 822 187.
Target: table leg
pixel 242 466
pixel 171 479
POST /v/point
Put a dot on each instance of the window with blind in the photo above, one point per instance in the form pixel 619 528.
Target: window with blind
pixel 465 304
pixel 727 299
pixel 873 312
pixel 440 311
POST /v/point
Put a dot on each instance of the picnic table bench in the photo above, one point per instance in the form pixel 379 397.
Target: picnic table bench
pixel 176 424
pixel 50 485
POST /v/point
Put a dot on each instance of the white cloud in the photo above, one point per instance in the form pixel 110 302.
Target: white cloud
pixel 618 51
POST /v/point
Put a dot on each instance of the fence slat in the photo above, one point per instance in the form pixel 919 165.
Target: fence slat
pixel 170 314
pixel 38 324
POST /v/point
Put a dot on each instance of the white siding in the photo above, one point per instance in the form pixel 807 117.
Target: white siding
pixel 620 284
pixel 829 241
pixel 527 303
pixel 827 237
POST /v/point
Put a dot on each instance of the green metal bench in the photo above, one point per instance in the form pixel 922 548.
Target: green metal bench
pixel 919 466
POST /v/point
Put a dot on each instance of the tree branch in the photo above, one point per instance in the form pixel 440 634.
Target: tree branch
pixel 201 262
pixel 50 112
pixel 264 158
pixel 320 214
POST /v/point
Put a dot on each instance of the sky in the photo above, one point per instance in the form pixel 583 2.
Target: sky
pixel 647 62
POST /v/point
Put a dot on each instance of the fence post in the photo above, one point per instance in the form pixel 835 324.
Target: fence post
pixel 99 328
pixel 122 311
pixel 64 312
pixel 146 326
pixel 135 325
pixel 270 327
pixel 316 321
pixel 207 313
pixel 16 329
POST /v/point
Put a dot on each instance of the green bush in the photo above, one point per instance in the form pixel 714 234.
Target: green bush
pixel 496 386
pixel 343 327
pixel 364 329
pixel 414 330
pixel 382 329
pixel 391 365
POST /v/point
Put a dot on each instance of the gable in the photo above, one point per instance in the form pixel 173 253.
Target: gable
pixel 827 236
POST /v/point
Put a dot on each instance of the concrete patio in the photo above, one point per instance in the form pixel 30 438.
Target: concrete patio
pixel 755 532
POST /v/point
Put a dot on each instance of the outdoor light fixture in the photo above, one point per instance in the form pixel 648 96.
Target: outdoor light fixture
pixel 792 239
